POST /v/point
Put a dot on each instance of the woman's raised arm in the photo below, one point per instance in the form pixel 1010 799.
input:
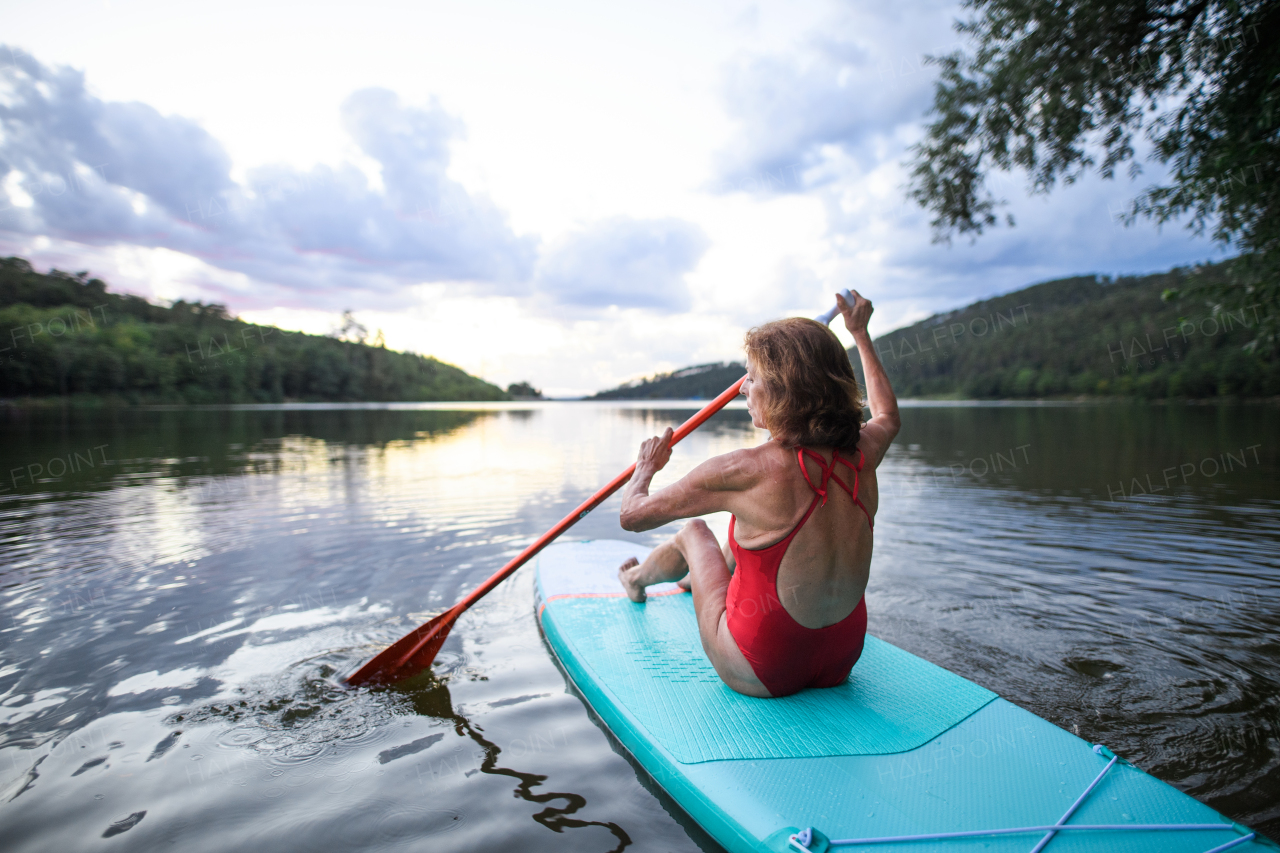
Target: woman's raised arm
pixel 710 487
pixel 877 433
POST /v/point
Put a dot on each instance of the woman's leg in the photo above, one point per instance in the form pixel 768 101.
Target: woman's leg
pixel 664 563
pixel 695 551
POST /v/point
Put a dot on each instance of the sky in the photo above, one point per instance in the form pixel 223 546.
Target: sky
pixel 569 194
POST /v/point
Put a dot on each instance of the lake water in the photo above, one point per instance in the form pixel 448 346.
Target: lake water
pixel 182 590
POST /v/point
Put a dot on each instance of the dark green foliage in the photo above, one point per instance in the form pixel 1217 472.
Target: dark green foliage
pixel 67 335
pixel 1087 335
pixel 524 390
pixel 1084 335
pixel 1052 86
pixel 701 382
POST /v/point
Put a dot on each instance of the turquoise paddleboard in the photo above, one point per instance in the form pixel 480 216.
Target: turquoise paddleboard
pixel 903 748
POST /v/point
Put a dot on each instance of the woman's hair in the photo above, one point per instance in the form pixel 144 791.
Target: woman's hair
pixel 811 394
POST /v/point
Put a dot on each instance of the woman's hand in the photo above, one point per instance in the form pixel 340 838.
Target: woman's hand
pixel 655 453
pixel 856 315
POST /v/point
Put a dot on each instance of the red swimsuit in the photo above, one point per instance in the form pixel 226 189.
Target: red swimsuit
pixel 785 655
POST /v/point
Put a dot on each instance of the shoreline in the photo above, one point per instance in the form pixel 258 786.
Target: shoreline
pixel 90 403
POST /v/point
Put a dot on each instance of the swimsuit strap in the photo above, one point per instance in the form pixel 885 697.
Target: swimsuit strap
pixel 828 474
pixel 856 469
pixel 820 491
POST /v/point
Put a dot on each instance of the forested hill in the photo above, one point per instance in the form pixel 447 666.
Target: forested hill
pixel 701 382
pixel 1085 335
pixel 1088 335
pixel 65 335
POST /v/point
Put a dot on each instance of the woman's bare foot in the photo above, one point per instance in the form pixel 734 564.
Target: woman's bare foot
pixel 627 573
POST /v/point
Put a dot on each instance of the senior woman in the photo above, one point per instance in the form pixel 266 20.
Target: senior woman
pixel 780 607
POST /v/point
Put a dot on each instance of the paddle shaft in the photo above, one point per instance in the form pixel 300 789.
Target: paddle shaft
pixel 595 500
pixel 390 663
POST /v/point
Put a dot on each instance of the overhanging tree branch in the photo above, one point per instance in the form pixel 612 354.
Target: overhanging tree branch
pixel 1056 89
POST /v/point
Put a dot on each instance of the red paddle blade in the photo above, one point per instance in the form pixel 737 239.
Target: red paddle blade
pixel 408 655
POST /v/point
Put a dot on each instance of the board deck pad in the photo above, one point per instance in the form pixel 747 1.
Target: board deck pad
pixel 650 657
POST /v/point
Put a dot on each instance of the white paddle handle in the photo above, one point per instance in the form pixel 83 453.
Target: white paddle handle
pixel 828 316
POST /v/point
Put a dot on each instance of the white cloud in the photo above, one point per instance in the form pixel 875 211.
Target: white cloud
pixel 850 84
pixel 104 173
pixel 624 263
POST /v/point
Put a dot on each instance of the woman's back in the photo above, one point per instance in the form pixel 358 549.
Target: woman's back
pixel 824 570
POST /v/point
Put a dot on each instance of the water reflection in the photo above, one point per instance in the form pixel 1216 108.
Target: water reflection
pixel 430 697
pixel 1098 451
pixel 172 618
pixel 62 451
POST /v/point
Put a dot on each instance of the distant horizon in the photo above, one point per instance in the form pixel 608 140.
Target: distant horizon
pixel 577 395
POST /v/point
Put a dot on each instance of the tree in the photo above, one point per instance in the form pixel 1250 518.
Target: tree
pixel 351 329
pixel 525 391
pixel 1059 88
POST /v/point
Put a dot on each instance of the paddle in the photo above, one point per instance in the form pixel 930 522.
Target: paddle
pixel 415 651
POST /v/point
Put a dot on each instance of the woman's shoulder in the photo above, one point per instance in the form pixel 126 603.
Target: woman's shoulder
pixel 765 460
pixel 739 469
pixel 772 450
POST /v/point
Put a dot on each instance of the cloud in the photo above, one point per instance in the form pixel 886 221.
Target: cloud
pixel 99 173
pixel 883 244
pixel 850 87
pixel 627 263
pixel 833 118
